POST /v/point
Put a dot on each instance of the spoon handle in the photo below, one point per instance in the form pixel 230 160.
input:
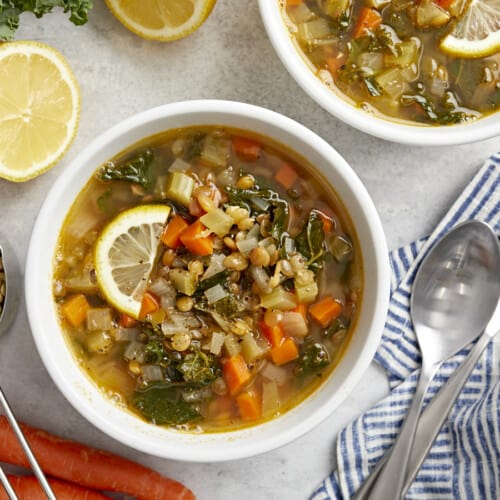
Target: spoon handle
pixel 388 483
pixel 7 486
pixel 26 447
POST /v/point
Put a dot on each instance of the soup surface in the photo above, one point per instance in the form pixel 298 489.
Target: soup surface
pixel 385 57
pixel 207 279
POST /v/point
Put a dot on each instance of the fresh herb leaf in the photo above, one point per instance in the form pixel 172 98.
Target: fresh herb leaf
pixel 425 103
pixel 163 405
pixel 137 170
pixel 103 202
pixel 228 306
pixel 338 324
pixel 10 10
pixel 199 367
pixel 313 358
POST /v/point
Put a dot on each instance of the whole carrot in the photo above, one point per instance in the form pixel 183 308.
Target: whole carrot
pixel 27 488
pixel 89 467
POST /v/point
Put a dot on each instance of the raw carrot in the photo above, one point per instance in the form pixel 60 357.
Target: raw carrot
pixel 284 353
pixel 28 488
pixel 325 311
pixel 195 241
pixel 171 234
pixel 246 149
pixel 126 321
pixel 75 309
pixel 273 334
pixel 334 63
pixel 286 176
pixel 88 467
pixel 150 304
pixel 236 373
pixel 248 405
pixel 327 221
pixel 368 19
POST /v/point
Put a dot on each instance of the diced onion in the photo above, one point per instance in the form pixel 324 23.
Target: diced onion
pixel 215 266
pixel 261 278
pixel 294 324
pixel 135 351
pixel 275 373
pixel 215 294
pixel 126 334
pixel 217 342
pixel 168 328
pixel 247 245
pixel 185 320
pixel 260 203
pixel 152 373
pixel 231 344
pixel 99 318
pixel 179 165
pixel 270 398
pixel 161 287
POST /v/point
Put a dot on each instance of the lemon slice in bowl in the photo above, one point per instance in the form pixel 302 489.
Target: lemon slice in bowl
pixel 39 109
pixel 162 20
pixel 125 254
pixel 477 31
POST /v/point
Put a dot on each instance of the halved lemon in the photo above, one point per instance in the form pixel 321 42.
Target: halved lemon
pixel 163 20
pixel 39 109
pixel 125 254
pixel 477 32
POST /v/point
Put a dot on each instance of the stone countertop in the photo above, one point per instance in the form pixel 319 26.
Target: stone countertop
pixel 229 57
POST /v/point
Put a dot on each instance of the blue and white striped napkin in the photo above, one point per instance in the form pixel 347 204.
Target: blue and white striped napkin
pixel 464 461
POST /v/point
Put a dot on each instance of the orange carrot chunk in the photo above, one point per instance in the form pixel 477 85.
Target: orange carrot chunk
pixel 273 334
pixel 88 467
pixel 28 487
pixel 286 176
pixel 194 239
pixel 236 373
pixel 127 321
pixel 293 3
pixel 75 309
pixel 368 19
pixel 248 405
pixel 246 149
pixel 445 4
pixel 171 234
pixel 150 304
pixel 325 311
pixel 284 353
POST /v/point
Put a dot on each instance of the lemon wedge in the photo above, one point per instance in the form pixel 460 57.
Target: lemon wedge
pixel 39 109
pixel 163 20
pixel 125 254
pixel 477 31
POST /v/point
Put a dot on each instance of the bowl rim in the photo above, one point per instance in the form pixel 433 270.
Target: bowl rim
pixel 56 358
pixel 391 130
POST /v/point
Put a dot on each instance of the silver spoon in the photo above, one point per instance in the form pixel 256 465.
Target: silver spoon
pixel 454 295
pixel 9 302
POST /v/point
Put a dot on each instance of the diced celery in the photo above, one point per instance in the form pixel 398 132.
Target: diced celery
pixel 270 398
pixel 180 187
pixel 80 284
pixel 99 318
pixel 430 15
pixel 179 165
pixel 279 299
pixel 314 30
pixel 183 280
pixel 215 293
pixel 249 348
pixel 371 62
pixel 215 151
pixel 392 82
pixel 408 53
pixel 160 189
pixel 99 342
pixel 294 324
pixel 231 344
pixel 306 293
pixel 336 8
pixel 218 222
pixel 301 13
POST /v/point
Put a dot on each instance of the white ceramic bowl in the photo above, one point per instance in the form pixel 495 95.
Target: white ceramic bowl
pixel 129 429
pixel 421 135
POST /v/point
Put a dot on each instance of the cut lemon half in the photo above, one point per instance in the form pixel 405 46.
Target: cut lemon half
pixel 477 32
pixel 125 254
pixel 163 20
pixel 39 109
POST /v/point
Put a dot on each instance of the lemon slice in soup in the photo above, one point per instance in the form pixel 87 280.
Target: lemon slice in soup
pixel 477 32
pixel 125 254
pixel 163 20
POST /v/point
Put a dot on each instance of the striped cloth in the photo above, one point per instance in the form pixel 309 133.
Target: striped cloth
pixel 464 461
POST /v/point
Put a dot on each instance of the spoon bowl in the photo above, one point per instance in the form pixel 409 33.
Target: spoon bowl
pixel 454 295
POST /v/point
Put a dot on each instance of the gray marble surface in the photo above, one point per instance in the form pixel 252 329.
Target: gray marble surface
pixel 229 57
